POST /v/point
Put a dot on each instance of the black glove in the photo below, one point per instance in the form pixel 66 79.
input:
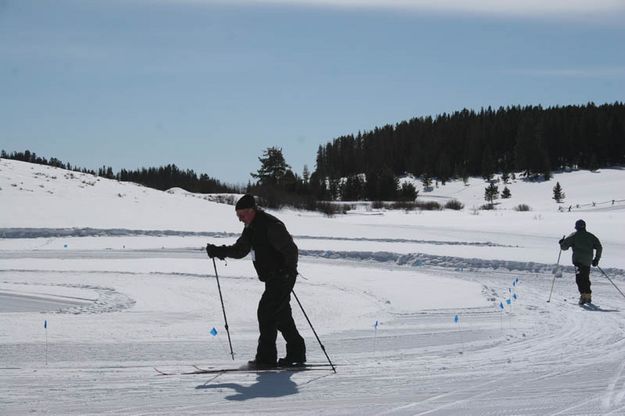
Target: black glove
pixel 595 262
pixel 213 251
pixel 561 240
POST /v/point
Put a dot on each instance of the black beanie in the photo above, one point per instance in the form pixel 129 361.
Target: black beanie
pixel 580 225
pixel 246 201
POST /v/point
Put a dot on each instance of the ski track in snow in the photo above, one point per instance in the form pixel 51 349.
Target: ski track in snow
pixel 106 299
pixel 537 359
pixel 409 260
pixel 122 232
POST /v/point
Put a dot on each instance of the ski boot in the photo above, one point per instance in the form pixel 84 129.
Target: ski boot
pixel 260 365
pixel 292 362
pixel 585 298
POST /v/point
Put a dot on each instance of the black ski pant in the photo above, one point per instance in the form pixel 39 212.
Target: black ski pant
pixel 582 278
pixel 274 314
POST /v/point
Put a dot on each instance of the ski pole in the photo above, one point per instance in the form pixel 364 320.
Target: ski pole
pixel 553 282
pixel 223 308
pixel 607 277
pixel 313 329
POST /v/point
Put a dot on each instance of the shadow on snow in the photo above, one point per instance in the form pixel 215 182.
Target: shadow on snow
pixel 267 385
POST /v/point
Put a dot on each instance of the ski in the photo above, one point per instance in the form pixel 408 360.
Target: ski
pixel 596 308
pixel 162 373
pixel 246 369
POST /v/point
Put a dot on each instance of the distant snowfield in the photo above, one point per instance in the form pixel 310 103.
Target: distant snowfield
pixel 407 304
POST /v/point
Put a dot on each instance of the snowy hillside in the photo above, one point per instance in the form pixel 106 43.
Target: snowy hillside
pixel 438 313
pixel 582 189
pixel 52 200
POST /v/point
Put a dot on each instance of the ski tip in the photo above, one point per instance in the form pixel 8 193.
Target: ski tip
pixel 160 372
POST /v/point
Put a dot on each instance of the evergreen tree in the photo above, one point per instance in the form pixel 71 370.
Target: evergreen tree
pixel 505 177
pixel 491 193
pixel 426 180
pixel 558 195
pixel 505 194
pixel 273 167
pixel 387 185
pixel 306 174
pixel 407 192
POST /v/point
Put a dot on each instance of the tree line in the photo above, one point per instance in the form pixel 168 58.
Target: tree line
pixel 531 140
pixel 162 178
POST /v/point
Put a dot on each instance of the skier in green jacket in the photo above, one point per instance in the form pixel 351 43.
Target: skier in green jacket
pixel 583 243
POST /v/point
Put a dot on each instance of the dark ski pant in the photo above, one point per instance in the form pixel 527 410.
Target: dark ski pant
pixel 274 314
pixel 582 278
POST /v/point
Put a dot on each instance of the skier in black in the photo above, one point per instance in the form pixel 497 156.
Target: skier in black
pixel 274 255
pixel 583 244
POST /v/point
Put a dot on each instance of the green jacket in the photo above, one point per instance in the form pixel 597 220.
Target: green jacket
pixel 583 244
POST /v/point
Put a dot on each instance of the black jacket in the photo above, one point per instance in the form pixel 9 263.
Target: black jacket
pixel 273 251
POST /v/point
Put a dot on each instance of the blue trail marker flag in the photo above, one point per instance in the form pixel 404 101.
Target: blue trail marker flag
pixel 214 332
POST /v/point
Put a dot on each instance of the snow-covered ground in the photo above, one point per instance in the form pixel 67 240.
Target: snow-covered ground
pixel 118 274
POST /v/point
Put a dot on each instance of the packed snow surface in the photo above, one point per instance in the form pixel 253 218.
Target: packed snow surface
pixel 422 312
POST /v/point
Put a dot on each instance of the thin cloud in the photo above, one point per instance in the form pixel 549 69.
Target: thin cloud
pixel 519 8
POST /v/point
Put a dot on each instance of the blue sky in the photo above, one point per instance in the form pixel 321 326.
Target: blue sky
pixel 208 85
